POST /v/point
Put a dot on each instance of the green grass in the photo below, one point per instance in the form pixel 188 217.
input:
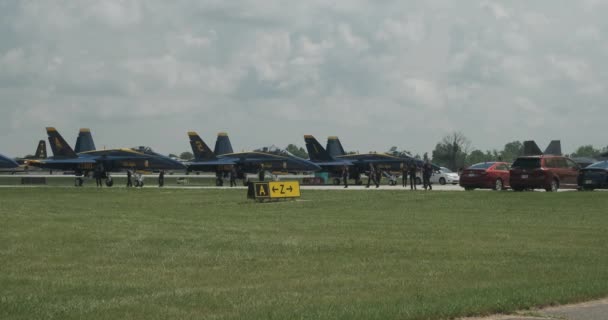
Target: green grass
pixel 193 254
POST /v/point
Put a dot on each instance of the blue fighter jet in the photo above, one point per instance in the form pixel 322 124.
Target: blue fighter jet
pixel 223 160
pixel 334 158
pixel 111 160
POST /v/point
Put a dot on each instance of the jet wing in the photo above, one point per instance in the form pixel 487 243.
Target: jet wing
pixel 334 163
pixel 218 162
pixel 6 162
pixel 62 161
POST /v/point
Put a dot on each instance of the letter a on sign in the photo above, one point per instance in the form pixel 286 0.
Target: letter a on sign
pixel 262 190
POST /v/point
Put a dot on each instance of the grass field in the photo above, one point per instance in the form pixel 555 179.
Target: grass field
pixel 68 253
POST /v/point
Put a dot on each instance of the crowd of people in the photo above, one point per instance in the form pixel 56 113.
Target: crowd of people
pixel 375 175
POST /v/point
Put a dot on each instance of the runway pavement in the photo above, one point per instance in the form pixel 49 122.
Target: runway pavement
pixel 593 310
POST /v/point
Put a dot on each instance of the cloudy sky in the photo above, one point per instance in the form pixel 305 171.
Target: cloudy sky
pixel 375 73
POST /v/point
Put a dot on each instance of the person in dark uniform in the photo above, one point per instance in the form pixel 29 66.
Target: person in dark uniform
pixel 233 176
pixel 427 172
pixel 412 173
pixel 371 175
pixel 261 174
pixel 378 177
pixel 161 178
pixel 129 178
pixel 98 175
pixel 404 175
pixel 345 175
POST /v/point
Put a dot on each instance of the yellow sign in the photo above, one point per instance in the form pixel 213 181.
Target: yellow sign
pixel 284 189
pixel 275 190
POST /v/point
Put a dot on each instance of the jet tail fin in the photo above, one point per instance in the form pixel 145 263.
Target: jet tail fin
pixel 222 144
pixel 40 150
pixel 60 148
pixel 531 148
pixel 84 142
pixel 199 148
pixel 334 147
pixel 316 152
pixel 554 148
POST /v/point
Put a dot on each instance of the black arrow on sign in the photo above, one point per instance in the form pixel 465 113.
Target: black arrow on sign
pixel 290 189
pixel 274 189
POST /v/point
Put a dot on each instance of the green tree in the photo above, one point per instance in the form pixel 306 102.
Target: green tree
pixel 511 151
pixel 172 155
pixel 186 156
pixel 586 151
pixel 298 152
pixel 451 151
pixel 476 156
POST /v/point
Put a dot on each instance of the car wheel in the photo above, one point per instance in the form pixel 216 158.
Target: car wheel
pixel 219 182
pixel 498 186
pixel 553 187
pixel 418 180
pixel 336 181
pixel 518 189
pixel 358 182
pixel 442 181
pixel 109 183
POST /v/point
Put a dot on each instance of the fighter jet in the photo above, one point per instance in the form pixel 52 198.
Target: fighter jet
pixel 7 163
pixel 334 158
pixel 39 154
pixel 111 160
pixel 223 159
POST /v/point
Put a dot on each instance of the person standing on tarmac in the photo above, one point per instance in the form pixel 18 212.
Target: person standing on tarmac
pixel 345 175
pixel 371 175
pixel 129 178
pixel 98 174
pixel 427 172
pixel 404 175
pixel 412 173
pixel 161 178
pixel 233 177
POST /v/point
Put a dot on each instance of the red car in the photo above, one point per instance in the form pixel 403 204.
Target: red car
pixel 486 175
pixel 546 172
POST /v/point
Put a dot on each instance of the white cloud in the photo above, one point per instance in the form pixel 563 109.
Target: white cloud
pixel 352 68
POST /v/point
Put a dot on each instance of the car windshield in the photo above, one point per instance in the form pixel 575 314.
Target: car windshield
pixel 599 165
pixel 445 170
pixel 484 165
pixel 526 163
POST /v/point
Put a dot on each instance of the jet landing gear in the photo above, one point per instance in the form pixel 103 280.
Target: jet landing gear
pixel 109 180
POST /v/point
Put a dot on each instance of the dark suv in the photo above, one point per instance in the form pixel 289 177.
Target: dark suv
pixel 546 172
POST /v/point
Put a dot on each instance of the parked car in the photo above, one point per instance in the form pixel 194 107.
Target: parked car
pixel 594 176
pixel 444 176
pixel 486 175
pixel 548 172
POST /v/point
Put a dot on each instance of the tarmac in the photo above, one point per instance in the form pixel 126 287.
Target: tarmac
pixel 593 310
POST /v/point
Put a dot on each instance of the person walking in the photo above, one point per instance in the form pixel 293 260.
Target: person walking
pixel 427 172
pixel 412 174
pixel 129 178
pixel 345 176
pixel 161 178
